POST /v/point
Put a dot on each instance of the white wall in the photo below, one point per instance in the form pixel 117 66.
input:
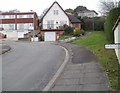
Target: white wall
pixel 117 40
pixel 57 18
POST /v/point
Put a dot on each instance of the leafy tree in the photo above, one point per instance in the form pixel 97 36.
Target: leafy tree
pixel 70 11
pixel 80 8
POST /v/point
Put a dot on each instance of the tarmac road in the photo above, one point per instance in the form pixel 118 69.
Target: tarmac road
pixel 30 66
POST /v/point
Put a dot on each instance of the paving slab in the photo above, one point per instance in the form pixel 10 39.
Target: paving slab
pixel 68 88
pixel 68 82
pixel 72 75
pixel 95 87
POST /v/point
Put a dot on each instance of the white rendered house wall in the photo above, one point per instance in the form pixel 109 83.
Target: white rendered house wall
pixel 117 40
pixel 56 18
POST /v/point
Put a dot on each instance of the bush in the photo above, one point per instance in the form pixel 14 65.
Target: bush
pixel 78 32
pixel 109 23
pixel 69 30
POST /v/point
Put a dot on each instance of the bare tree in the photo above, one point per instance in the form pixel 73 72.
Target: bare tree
pixel 107 5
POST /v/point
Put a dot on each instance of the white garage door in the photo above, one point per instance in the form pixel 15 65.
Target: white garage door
pixel 50 36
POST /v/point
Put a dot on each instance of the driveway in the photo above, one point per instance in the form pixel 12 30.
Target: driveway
pixel 30 66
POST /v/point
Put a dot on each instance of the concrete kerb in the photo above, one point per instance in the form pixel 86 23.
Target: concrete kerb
pixel 58 73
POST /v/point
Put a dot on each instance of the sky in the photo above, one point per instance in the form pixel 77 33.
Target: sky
pixel 40 5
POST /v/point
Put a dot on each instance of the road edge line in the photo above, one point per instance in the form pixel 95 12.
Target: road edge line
pixel 58 73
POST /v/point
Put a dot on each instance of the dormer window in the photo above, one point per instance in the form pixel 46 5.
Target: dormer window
pixel 55 12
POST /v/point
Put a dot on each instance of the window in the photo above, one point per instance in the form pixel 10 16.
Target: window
pixel 20 16
pixel 11 16
pixel 55 12
pixel 1 25
pixel 30 16
pixel 20 26
pixel 11 26
pixel 7 16
pixel 50 24
pixel 25 16
pixel 1 16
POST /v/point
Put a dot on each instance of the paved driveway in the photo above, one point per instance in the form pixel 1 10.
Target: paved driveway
pixel 30 66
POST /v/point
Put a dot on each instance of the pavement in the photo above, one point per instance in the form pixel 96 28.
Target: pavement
pixel 4 48
pixel 82 73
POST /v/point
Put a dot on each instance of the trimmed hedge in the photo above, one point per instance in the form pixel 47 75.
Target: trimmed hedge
pixel 109 23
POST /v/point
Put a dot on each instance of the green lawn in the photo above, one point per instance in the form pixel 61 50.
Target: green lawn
pixel 63 37
pixel 95 42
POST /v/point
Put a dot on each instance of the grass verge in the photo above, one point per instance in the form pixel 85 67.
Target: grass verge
pixel 107 57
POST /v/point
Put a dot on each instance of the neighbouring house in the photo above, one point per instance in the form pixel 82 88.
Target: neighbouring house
pixel 54 20
pixel 16 24
pixel 87 13
pixel 116 30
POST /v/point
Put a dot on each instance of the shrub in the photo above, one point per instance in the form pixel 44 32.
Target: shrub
pixel 69 30
pixel 78 32
pixel 109 23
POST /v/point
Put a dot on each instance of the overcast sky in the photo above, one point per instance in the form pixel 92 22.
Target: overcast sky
pixel 39 5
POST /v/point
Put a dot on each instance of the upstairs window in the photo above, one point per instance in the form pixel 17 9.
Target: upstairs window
pixel 25 16
pixel 55 12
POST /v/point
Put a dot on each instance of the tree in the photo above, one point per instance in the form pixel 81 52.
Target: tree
pixel 107 5
pixel 69 11
pixel 80 8
pixel 109 23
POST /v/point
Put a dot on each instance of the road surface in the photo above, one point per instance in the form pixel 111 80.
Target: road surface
pixel 30 66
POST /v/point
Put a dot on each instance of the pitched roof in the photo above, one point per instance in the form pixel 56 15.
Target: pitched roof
pixel 50 8
pixel 88 11
pixel 73 19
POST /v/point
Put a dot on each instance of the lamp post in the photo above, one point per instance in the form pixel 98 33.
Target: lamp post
pixel 33 24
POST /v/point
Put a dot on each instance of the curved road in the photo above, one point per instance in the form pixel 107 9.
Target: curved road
pixel 30 66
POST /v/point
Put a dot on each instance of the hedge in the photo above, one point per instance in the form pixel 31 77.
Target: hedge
pixel 109 23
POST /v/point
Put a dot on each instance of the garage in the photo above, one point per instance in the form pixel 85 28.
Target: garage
pixel 50 36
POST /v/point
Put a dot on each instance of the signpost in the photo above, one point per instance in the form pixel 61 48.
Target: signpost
pixel 112 46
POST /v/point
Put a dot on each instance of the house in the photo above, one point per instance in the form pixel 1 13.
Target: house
pixel 87 13
pixel 116 30
pixel 54 20
pixel 16 24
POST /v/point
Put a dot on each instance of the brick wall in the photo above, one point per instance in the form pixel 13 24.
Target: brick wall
pixel 21 20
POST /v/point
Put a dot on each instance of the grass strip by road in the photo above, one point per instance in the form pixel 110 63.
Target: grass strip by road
pixel 96 42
